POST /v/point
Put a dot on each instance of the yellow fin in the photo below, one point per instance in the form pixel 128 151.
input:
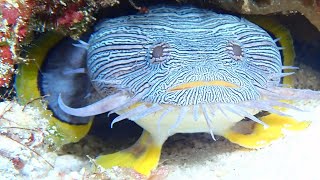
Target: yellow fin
pixel 279 31
pixel 26 85
pixel 262 136
pixel 143 156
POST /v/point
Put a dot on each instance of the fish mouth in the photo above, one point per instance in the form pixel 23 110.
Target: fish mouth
pixel 195 84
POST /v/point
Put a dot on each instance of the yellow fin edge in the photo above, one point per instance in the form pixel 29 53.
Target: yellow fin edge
pixel 143 156
pixel 262 136
pixel 26 85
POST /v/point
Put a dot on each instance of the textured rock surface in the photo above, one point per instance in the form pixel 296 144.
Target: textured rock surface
pixel 309 8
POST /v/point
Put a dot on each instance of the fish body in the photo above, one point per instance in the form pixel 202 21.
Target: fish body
pixel 185 70
pixel 177 121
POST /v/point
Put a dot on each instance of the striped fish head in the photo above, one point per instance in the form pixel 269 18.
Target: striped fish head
pixel 183 57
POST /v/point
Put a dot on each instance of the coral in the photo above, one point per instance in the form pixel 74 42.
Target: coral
pixel 23 139
pixel 13 29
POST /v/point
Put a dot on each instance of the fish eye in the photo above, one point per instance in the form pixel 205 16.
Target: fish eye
pixel 235 50
pixel 158 53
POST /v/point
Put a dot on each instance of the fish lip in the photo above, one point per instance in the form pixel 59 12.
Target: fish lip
pixel 195 84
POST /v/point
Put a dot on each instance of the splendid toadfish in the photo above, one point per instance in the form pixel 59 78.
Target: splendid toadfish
pixel 184 70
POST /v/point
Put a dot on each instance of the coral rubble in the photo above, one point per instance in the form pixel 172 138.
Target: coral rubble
pixel 13 29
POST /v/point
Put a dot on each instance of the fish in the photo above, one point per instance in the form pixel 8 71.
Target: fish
pixel 33 86
pixel 186 70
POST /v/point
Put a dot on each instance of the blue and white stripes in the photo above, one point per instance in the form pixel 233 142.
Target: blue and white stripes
pixel 191 45
pixel 177 61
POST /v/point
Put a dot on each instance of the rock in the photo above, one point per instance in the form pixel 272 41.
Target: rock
pixel 309 8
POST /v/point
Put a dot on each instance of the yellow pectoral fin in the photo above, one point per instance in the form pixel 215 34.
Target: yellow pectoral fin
pixel 262 136
pixel 26 85
pixel 143 156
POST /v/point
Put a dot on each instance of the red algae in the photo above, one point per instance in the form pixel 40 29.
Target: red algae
pixel 15 16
